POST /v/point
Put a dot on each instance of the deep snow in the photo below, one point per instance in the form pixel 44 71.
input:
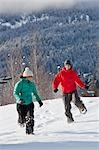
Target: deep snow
pixel 51 129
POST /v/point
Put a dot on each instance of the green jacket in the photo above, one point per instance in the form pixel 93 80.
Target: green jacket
pixel 24 90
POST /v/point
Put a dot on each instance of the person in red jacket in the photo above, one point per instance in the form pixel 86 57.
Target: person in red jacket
pixel 69 80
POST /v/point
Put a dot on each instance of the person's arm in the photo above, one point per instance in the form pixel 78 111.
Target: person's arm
pixel 78 81
pixel 36 93
pixel 56 82
pixel 16 91
pixel 37 96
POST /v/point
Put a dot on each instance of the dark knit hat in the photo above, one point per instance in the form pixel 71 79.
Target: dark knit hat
pixel 67 62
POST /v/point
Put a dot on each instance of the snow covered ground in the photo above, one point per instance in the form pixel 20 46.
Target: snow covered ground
pixel 51 129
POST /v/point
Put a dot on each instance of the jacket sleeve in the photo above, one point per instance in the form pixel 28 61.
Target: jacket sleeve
pixel 56 81
pixel 16 91
pixel 36 93
pixel 78 81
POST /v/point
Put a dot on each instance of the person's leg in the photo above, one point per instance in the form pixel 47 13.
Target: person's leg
pixel 80 105
pixel 30 119
pixel 21 114
pixel 67 97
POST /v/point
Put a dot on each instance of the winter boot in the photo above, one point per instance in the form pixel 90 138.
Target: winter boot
pixel 70 120
pixel 21 122
pixel 82 109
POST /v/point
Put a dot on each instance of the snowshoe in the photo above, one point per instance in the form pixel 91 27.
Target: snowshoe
pixel 29 125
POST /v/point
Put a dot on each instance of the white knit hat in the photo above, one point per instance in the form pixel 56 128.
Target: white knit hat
pixel 27 72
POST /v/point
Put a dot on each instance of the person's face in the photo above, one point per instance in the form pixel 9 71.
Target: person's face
pixel 30 78
pixel 67 67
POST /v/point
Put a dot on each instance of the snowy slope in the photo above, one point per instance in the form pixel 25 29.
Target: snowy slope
pixel 51 129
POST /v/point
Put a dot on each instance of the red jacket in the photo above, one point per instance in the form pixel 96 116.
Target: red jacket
pixel 68 80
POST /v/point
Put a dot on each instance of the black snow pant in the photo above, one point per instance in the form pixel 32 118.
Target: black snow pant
pixel 67 98
pixel 26 115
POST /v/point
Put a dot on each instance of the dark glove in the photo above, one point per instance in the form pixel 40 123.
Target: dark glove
pixel 40 103
pixel 86 87
pixel 55 90
pixel 20 102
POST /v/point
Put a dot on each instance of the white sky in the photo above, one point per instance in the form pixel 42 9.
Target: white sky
pixel 28 5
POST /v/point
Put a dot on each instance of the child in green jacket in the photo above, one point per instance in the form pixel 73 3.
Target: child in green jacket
pixel 23 93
